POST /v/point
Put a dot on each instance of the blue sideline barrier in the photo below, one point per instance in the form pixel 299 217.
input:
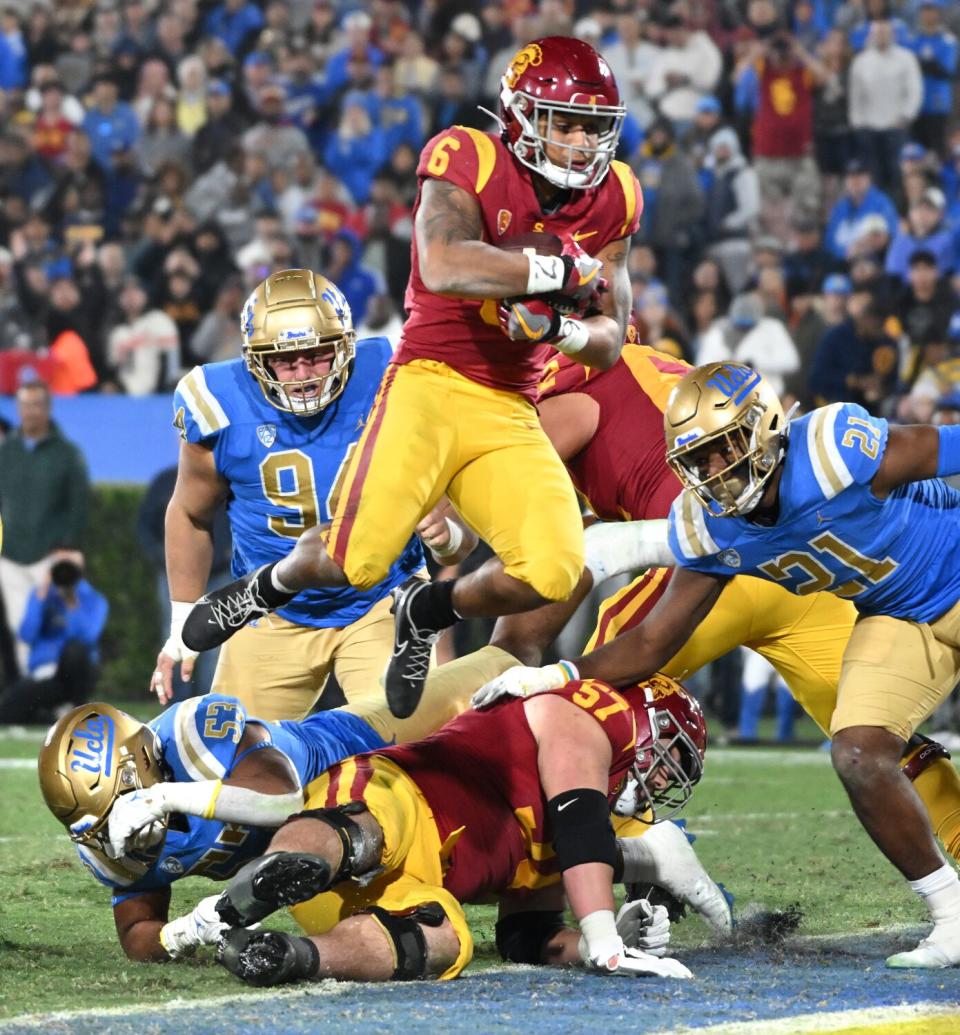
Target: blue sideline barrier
pixel 123 439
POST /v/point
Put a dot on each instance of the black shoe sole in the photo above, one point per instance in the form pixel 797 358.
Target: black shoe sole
pixel 266 885
pixel 260 958
pixel 402 697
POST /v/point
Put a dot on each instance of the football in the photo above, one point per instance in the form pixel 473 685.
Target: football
pixel 543 244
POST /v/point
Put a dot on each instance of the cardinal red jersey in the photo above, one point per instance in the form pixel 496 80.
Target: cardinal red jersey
pixel 465 333
pixel 479 776
pixel 622 473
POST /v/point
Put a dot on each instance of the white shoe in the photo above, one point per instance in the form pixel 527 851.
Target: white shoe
pixel 672 864
pixel 941 948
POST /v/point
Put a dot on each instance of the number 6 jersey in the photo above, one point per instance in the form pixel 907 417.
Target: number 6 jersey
pixel 898 556
pixel 284 471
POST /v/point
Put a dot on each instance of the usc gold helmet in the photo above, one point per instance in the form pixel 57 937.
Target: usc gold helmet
pixel 89 758
pixel 731 407
pixel 669 760
pixel 295 311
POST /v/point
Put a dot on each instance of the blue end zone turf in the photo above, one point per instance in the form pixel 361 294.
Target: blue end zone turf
pixel 773 983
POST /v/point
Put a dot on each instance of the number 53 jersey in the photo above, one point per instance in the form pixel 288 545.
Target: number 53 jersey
pixel 285 471
pixel 898 556
pixel 200 740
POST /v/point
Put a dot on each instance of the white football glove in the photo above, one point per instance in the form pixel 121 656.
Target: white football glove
pixel 524 681
pixel 663 856
pixel 602 950
pixel 644 927
pixel 134 821
pixel 203 926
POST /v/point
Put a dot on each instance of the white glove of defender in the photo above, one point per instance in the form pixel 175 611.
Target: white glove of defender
pixel 131 820
pixel 644 927
pixel 602 950
pixel 523 681
pixel 201 927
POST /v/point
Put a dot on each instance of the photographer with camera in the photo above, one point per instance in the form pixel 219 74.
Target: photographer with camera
pixel 62 625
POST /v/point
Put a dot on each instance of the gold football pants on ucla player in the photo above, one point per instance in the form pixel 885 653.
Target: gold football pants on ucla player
pixel 433 431
pixel 806 640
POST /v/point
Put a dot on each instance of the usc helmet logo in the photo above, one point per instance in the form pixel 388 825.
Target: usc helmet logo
pixel 660 686
pixel 531 54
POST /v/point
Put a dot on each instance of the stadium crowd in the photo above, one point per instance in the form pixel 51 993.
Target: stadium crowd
pixel 801 175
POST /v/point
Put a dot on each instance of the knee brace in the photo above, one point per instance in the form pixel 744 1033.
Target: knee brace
pixel 361 853
pixel 405 930
pixel 521 936
pixel 920 753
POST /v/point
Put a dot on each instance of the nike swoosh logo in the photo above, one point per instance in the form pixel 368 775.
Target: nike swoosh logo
pixel 560 808
pixel 581 236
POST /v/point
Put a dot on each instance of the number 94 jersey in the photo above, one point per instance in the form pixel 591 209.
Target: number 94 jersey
pixel 285 471
pixel 200 740
pixel 898 556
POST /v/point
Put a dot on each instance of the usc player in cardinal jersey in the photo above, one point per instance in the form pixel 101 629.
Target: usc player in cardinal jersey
pixel 455 411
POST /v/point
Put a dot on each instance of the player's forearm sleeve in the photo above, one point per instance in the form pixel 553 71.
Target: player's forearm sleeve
pixel 616 547
pixel 211 799
pixel 948 461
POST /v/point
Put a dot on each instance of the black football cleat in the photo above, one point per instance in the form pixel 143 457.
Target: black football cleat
pixel 264 885
pixel 412 646
pixel 217 615
pixel 266 958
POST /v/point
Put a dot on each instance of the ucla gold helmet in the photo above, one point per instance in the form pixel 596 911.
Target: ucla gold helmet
pixel 730 407
pixel 296 311
pixel 89 758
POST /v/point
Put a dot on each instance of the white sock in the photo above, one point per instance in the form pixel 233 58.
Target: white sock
pixel 940 891
pixel 277 583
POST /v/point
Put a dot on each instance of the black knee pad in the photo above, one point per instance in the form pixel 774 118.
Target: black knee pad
pixel 406 933
pixel 920 753
pixel 521 936
pixel 359 858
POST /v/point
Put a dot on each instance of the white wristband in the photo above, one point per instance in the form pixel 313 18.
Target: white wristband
pixel 547 272
pixel 456 541
pixel 179 609
pixel 574 337
pixel 600 941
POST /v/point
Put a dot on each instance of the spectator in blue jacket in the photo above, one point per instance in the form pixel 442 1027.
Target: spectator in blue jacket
pixel 856 361
pixel 234 22
pixel 109 122
pixel 357 283
pixel 62 625
pixel 13 51
pixel 356 27
pixel 357 150
pixel 926 232
pixel 936 50
pixel 860 198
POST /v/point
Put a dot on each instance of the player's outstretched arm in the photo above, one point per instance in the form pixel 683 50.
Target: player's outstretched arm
pixel 641 651
pixel 574 756
pixel 262 790
pixel 608 329
pixel 188 545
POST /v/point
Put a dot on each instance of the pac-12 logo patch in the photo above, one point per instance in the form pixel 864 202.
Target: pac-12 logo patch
pixel 730 558
pixel 267 433
pixel 172 865
pixel 503 220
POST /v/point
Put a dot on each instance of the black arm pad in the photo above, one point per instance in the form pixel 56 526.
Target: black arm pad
pixel 522 936
pixel 582 832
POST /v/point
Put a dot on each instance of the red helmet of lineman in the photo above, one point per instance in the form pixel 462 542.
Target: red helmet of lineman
pixel 669 765
pixel 560 75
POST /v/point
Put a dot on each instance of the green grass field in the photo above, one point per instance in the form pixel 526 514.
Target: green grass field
pixel 773 826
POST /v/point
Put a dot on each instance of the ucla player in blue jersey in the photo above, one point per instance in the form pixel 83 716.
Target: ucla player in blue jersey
pixel 272 433
pixel 196 792
pixel 837 501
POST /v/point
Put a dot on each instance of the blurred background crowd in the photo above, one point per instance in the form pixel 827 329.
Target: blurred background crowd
pixel 800 161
